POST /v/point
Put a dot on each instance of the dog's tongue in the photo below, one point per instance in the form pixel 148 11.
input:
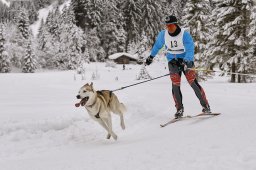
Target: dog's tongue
pixel 82 102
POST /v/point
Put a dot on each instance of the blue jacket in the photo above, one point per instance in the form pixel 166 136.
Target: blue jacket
pixel 188 42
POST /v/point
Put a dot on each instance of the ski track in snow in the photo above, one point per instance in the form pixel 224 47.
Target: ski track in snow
pixel 41 129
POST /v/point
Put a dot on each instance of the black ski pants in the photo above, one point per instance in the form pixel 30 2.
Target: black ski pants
pixel 176 69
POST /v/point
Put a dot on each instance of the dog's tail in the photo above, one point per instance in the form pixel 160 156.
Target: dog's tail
pixel 122 108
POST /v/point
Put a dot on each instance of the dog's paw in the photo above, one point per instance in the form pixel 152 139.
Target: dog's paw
pixel 77 104
pixel 114 136
pixel 108 136
pixel 123 126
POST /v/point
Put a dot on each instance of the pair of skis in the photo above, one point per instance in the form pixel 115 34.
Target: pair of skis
pixel 188 117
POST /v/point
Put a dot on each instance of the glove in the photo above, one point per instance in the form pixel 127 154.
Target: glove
pixel 149 60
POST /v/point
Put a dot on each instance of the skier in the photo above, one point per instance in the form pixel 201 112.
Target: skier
pixel 180 56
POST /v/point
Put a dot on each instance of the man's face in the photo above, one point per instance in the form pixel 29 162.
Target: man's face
pixel 171 27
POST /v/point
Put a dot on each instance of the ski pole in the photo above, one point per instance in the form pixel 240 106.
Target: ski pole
pixel 140 82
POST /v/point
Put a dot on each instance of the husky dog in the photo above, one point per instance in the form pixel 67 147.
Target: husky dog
pixel 99 105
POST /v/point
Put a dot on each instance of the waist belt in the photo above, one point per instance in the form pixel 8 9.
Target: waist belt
pixel 179 50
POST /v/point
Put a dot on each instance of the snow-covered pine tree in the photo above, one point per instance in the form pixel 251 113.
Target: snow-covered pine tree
pixel 214 52
pixel 96 52
pixel 71 41
pixel 41 3
pixel 20 37
pixel 93 18
pixel 5 64
pixel 132 13
pixel 152 20
pixel 47 47
pixel 53 23
pixel 16 5
pixel 4 57
pixel 56 22
pixel 121 37
pixel 49 20
pixel 49 42
pixel 4 12
pixel 110 37
pixel 133 48
pixel 196 15
pixel 79 10
pixel 29 60
pixel 143 73
pixel 86 55
pixel 93 10
pixel 176 8
pixel 232 21
pixel 173 7
pixel 252 32
pixel 112 33
pixel 23 23
pixel 14 50
pixel 108 31
pixel 142 48
pixel 252 43
pixel 68 16
pixel 41 36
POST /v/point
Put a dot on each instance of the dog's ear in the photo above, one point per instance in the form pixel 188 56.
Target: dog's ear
pixel 91 85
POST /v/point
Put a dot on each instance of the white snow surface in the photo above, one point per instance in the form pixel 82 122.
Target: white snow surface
pixel 41 129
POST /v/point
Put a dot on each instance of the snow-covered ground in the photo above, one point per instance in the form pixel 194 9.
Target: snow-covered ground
pixel 41 129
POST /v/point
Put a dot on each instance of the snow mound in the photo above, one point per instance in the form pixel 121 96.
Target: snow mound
pixel 20 137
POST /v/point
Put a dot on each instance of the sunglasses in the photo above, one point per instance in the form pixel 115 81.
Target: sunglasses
pixel 170 26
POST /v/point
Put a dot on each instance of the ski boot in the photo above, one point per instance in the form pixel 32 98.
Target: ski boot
pixel 206 109
pixel 179 113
